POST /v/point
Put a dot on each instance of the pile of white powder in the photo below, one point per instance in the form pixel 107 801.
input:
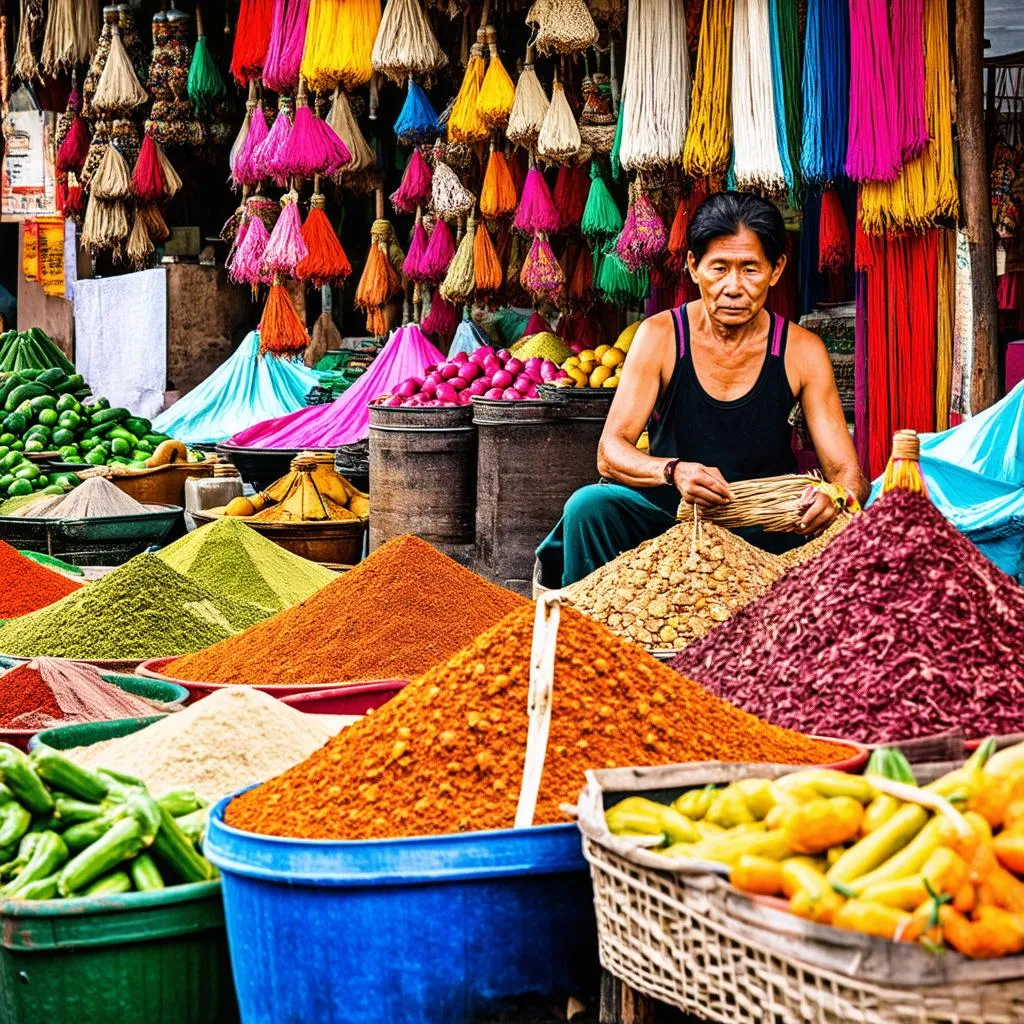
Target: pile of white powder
pixel 234 737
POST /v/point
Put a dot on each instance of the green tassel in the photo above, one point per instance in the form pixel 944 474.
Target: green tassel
pixel 601 217
pixel 205 84
pixel 616 283
pixel 789 39
pixel 617 173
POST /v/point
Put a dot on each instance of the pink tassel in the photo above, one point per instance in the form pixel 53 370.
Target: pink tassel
pixel 244 171
pixel 536 210
pixel 416 187
pixel 247 265
pixel 440 252
pixel 336 153
pixel 286 248
pixel 287 39
pixel 873 151
pixel 442 320
pixel 643 239
pixel 148 183
pixel 305 154
pixel 537 325
pixel 413 266
pixel 908 62
pixel 269 156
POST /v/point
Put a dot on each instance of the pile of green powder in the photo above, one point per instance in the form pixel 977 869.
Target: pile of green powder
pixel 232 559
pixel 144 609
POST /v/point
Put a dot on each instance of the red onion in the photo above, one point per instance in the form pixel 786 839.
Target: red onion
pixel 449 370
pixel 494 393
pixel 459 383
pixel 514 366
pixel 482 354
pixel 470 371
pixel 394 401
pixel 479 387
pixel 502 379
pixel 523 384
pixel 447 394
pixel 503 355
pixel 460 358
pixel 511 395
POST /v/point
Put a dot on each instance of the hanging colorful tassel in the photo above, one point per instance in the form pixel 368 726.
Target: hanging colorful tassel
pixel 450 197
pixel 779 98
pixel 139 245
pixel 709 132
pixel 336 155
pixel 497 93
pixel 487 271
pixel 643 239
pixel 147 184
pixel 281 330
pixel 358 27
pixel 312 147
pixel 405 43
pixel 205 85
pixel 908 64
pixel 417 121
pixel 286 248
pixel 559 137
pixel 244 170
pixel 269 157
pixel 536 210
pixel 616 283
pixel 572 187
pixel 247 263
pixel 826 74
pixel 252 39
pixel 786 19
pixel 413 267
pixel 119 89
pixel 379 281
pixel 580 292
pixel 528 108
pixel 243 134
pixel 325 261
pixel 74 199
pixel 439 255
pixel 172 180
pixel 601 217
pixel 542 275
pixel 465 123
pixel 442 320
pixel 287 40
pixel 156 226
pixel 834 244
pixel 903 471
pixel 498 192
pixel 457 285
pixel 112 180
pixel 343 123
pixel 415 188
pixel 75 146
pixel 676 244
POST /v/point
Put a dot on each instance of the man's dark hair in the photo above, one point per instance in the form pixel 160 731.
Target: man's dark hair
pixel 727 213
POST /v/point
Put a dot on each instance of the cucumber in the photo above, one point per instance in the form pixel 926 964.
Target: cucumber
pixel 28 471
pixel 22 393
pixel 155 439
pixel 11 459
pixel 34 446
pixel 7 439
pixel 99 405
pixel 15 423
pixel 52 378
pixel 43 402
pixel 10 383
pixel 63 437
pixel 68 403
pixel 103 416
pixel 97 457
pixel 124 435
pixel 119 446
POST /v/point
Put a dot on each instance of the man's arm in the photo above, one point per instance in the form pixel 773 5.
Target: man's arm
pixel 642 375
pixel 823 412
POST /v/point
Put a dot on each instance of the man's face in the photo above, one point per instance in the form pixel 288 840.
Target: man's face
pixel 734 277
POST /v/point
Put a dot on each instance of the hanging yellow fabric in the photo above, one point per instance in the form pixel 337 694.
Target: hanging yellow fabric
pixel 709 135
pixel 926 189
pixel 944 328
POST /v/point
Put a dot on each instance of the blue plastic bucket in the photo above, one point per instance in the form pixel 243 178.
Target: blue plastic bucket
pixel 405 931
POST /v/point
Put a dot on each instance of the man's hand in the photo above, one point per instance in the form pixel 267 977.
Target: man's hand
pixel 818 515
pixel 702 485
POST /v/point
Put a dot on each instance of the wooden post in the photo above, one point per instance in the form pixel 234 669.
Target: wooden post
pixel 622 1005
pixel 975 202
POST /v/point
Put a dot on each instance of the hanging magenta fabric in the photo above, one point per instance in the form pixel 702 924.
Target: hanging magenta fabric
pixel 908 65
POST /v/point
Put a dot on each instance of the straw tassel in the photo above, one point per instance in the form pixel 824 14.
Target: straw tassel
pixel 112 180
pixel 287 39
pixel 72 30
pixel 417 121
pixel 105 226
pixel 286 248
pixel 206 87
pixel 528 108
pixel 343 123
pixel 156 226
pixel 118 90
pixel 559 137
pixel 139 245
pixel 903 471
pixel 405 43
pixel 252 39
pixel 450 197
pixel 563 26
pixel 281 330
pixel 487 272
pixel 439 254
pixel 497 93
pixel 458 283
pixel 415 188
pixel 498 192
pixel 709 132
pixel 172 180
pixel 465 123
pixel 325 261
pixel 536 210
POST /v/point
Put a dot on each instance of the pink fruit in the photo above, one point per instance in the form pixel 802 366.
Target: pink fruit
pixel 447 394
pixel 482 354
pixel 514 366
pixel 470 371
pixel 429 388
pixel 523 384
pixel 460 357
pixel 502 379
pixel 394 401
pixel 479 387
pixel 504 355
pixel 511 395
pixel 459 383
pixel 449 370
pixel 494 393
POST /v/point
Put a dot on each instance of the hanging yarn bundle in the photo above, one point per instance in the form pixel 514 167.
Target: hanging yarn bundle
pixel 106 224
pixel 119 89
pixel 465 123
pixel 563 26
pixel 536 211
pixel 140 245
pixel 112 180
pixel 268 158
pixel 72 29
pixel 405 43
pixel 416 186
pixel 287 39
pixel 311 148
pixel 343 123
pixel 281 329
pixel 874 146
pixel 413 266
pixel 442 319
pixel 497 92
pixel 31 18
pixel 786 26
pixel 643 239
pixel 73 147
pixel 826 76
pixel 580 291
pixel 757 165
pixel 243 170
pixel 286 247
pixel 602 219
pixel 439 254
pixel 498 196
pixel 835 248
pixel 781 102
pixel 417 122
pixel 451 198
pixel 528 108
pixel 487 270
pixel 559 137
pixel 147 181
pixel 252 39
pixel 908 64
pixel 655 86
pixel 542 275
pixel 458 283
pixel 325 261
pixel 172 180
pixel 616 283
pixel 379 281
pixel 358 26
pixel 597 122
pixel 572 187
pixel 206 87
pixel 709 132
pixel 246 266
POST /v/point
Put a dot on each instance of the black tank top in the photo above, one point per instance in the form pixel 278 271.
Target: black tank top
pixel 747 438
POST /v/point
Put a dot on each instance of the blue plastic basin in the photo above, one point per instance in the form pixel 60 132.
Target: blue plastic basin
pixel 406 931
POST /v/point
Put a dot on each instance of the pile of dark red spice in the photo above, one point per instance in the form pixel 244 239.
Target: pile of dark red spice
pixel 23 692
pixel 901 628
pixel 28 586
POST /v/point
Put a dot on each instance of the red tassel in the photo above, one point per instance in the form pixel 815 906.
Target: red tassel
pixel 252 39
pixel 677 238
pixel 517 168
pixel 325 262
pixel 75 147
pixel 536 325
pixel 281 330
pixel 442 320
pixel 581 282
pixel 148 183
pixel 572 186
pixel 833 234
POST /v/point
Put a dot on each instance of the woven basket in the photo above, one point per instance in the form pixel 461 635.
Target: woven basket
pixel 680 934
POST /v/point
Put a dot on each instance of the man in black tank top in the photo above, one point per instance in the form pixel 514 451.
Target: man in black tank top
pixel 714 384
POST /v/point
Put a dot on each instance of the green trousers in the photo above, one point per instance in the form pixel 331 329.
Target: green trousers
pixel 603 520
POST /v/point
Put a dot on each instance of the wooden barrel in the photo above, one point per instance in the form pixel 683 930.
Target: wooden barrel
pixel 533 455
pixel 423 476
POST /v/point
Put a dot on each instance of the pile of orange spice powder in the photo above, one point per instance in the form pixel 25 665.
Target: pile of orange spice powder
pixel 446 754
pixel 398 613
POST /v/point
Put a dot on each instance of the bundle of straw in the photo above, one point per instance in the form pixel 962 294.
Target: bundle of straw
pixel 343 122
pixel 775 503
pixel 72 31
pixel 460 280
pixel 559 137
pixel 563 26
pixel 528 108
pixel 450 197
pixel 903 471
pixel 405 43
pixel 30 19
pixel 119 89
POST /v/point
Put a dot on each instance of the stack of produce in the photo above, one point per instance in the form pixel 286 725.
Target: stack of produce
pixel 313 491
pixel 920 629
pixel 46 692
pixel 67 831
pixel 400 611
pixel 600 367
pixel 230 559
pixel 28 586
pixel 673 589
pixel 226 741
pixel 545 345
pixel 485 373
pixel 938 865
pixel 446 754
pixel 31 350
pixel 95 498
pixel 143 609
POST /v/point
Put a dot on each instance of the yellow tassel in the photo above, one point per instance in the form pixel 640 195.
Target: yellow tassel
pixel 460 280
pixel 321 59
pixel 926 189
pixel 358 23
pixel 944 332
pixel 466 123
pixel 497 93
pixel 709 136
pixel 904 469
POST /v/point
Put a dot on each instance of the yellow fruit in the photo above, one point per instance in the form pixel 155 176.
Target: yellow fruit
pixel 588 355
pixel 239 507
pixel 613 357
pixel 587 368
pixel 599 376
pixel 577 375
pixel 611 382
pixel 600 350
pixel 625 339
pixel 571 361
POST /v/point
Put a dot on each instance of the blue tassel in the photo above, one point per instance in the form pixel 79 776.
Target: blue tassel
pixel 418 120
pixel 826 84
pixel 779 99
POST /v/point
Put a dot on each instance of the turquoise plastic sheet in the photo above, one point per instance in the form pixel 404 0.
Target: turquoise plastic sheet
pixel 975 477
pixel 245 390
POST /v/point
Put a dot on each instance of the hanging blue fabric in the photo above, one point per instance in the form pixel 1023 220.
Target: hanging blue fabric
pixel 826 83
pixel 778 92
pixel 417 121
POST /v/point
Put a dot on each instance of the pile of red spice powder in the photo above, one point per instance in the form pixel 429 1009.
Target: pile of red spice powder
pixel 900 628
pixel 28 586
pixel 23 692
pixel 405 608
pixel 446 754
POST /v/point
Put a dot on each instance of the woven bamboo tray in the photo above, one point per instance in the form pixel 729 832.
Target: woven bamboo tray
pixel 677 932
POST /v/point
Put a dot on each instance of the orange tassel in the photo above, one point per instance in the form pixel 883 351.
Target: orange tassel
pixel 486 265
pixel 581 284
pixel 326 261
pixel 677 237
pixel 498 196
pixel 377 323
pixel 376 286
pixel 281 330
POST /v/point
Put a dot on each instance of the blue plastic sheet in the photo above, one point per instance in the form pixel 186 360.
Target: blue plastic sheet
pixel 975 477
pixel 245 390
